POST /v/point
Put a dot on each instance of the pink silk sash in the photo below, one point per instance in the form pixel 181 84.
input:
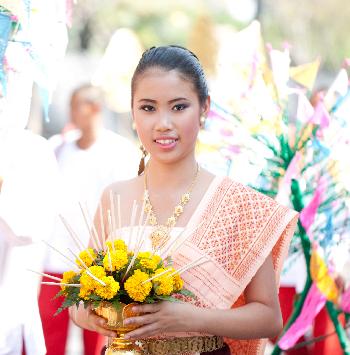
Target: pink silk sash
pixel 241 228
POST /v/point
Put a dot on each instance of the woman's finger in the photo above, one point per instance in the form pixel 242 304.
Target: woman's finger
pixel 147 308
pixel 140 320
pixel 143 332
pixel 105 332
pixel 98 324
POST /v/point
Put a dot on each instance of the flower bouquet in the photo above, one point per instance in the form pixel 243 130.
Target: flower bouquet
pixel 111 277
pixel 110 280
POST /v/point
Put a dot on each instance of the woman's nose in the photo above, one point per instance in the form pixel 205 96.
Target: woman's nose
pixel 164 121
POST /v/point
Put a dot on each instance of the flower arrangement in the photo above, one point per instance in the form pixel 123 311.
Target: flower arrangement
pixel 120 276
pixel 110 275
pixel 111 271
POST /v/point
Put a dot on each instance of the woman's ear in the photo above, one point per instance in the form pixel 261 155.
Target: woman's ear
pixel 206 107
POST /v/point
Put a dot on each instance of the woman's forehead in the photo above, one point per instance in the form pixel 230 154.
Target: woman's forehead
pixel 160 82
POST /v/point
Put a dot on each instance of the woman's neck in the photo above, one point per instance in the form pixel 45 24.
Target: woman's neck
pixel 169 177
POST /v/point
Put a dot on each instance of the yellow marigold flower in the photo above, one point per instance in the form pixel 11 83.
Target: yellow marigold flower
pixel 148 260
pixel 134 287
pixel 110 290
pixel 159 271
pixel 88 256
pixel 119 244
pixel 87 281
pixel 164 284
pixel 178 283
pixel 144 254
pixel 84 293
pixel 118 259
pixel 67 277
pixel 165 287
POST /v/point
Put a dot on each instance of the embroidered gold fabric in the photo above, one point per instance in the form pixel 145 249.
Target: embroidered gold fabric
pixel 184 345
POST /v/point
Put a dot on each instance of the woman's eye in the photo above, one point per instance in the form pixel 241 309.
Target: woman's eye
pixel 180 107
pixel 147 108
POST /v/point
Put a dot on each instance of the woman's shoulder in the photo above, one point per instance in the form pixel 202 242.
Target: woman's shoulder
pixel 127 189
pixel 240 191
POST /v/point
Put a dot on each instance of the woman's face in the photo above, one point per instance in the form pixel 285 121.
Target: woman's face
pixel 166 112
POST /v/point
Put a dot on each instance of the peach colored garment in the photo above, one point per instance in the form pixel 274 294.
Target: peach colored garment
pixel 241 228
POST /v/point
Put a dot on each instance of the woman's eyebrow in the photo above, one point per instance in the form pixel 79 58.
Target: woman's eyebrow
pixel 170 101
pixel 177 99
pixel 147 100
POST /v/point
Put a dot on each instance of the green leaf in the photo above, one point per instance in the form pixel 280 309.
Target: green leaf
pixel 168 298
pixel 186 293
pixel 116 304
pixel 58 294
pixel 169 260
pixel 68 302
pixel 58 311
pixel 94 297
pixel 150 300
pixel 96 303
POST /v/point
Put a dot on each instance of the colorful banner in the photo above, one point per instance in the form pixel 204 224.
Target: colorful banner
pixel 5 30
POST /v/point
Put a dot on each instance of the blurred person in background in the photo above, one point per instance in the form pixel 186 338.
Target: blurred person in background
pixel 28 174
pixel 89 159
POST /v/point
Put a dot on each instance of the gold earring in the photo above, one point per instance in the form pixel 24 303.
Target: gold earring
pixel 202 121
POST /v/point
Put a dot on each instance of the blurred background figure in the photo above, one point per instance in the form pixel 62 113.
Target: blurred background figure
pixel 90 157
pixel 27 204
pixel 28 170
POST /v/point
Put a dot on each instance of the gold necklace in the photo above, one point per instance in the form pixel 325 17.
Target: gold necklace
pixel 161 233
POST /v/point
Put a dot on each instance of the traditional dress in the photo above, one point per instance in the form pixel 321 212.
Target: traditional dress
pixel 236 228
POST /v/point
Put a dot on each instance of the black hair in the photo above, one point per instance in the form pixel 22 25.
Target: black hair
pixel 174 57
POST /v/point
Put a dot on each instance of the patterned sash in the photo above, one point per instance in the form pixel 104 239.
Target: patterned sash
pixel 241 228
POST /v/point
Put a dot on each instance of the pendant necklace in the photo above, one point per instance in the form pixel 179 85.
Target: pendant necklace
pixel 161 232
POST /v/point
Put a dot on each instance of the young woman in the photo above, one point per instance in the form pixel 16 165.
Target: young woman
pixel 244 233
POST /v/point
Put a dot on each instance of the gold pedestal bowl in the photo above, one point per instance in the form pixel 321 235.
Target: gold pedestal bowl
pixel 115 318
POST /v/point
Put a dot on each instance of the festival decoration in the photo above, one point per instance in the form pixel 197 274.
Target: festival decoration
pixel 293 151
pixel 21 24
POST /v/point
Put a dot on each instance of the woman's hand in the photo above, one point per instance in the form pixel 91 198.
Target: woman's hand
pixel 161 317
pixel 86 318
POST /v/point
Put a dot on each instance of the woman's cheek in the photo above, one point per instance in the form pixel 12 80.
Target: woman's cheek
pixel 191 129
pixel 144 133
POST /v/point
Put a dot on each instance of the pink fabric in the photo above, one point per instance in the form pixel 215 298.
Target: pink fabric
pixel 292 172
pixel 308 214
pixel 313 304
pixel 69 12
pixel 293 169
pixel 345 301
pixel 240 228
pixel 321 115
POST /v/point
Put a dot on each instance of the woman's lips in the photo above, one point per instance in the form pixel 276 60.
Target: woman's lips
pixel 166 143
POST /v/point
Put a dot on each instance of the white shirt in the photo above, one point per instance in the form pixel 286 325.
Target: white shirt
pixel 84 174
